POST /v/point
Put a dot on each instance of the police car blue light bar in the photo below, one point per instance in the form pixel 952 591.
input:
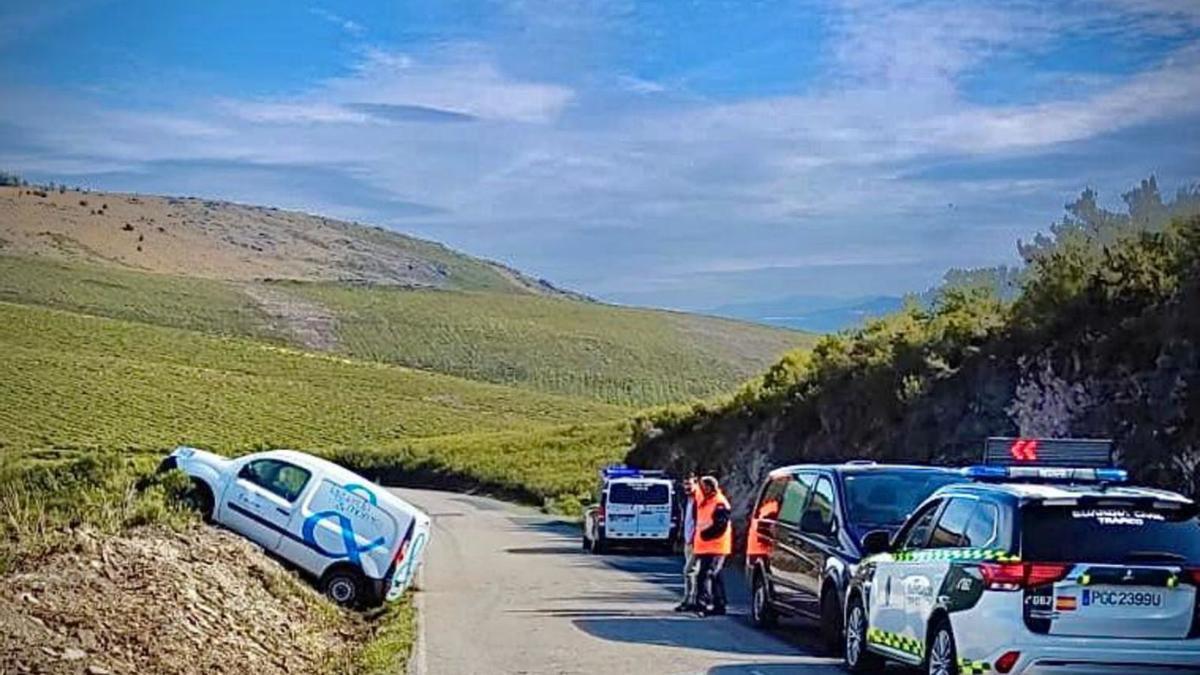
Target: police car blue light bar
pixel 1047 474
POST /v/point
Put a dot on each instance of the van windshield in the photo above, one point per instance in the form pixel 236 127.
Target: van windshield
pixel 1110 534
pixel 639 493
pixel 884 499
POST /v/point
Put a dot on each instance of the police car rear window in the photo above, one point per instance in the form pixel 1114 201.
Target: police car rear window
pixel 1109 534
pixel 639 493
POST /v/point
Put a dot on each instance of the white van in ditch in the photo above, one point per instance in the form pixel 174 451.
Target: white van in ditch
pixel 362 543
pixel 637 507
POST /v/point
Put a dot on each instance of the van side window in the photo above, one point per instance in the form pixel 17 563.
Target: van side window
pixel 280 478
pixel 795 498
pixel 818 517
pixel 916 533
pixel 772 499
pixel 951 528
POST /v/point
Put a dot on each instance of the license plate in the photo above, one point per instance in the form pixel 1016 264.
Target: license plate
pixel 1114 598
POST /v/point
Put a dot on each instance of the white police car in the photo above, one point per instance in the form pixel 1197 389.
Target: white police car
pixel 1042 564
pixel 362 543
pixel 637 507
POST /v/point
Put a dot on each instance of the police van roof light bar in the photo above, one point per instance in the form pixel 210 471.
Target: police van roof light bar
pixel 622 471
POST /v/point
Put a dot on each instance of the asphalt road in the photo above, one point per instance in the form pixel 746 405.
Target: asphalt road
pixel 508 590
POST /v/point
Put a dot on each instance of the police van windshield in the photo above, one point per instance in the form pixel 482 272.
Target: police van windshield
pixel 639 493
pixel 885 499
pixel 1110 534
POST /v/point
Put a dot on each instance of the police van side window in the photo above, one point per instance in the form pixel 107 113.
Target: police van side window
pixel 951 528
pixel 280 478
pixel 916 533
pixel 795 498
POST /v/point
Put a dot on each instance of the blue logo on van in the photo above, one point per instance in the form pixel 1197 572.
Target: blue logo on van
pixel 352 550
pixel 362 491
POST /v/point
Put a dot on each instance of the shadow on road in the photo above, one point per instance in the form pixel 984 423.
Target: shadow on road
pixel 790 668
pixel 542 550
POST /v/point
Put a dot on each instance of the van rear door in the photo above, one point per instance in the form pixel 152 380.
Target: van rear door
pixel 654 518
pixel 622 509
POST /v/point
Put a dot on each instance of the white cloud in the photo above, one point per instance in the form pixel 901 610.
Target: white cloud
pixel 350 27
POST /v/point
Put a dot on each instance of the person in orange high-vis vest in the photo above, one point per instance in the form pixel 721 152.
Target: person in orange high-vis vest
pixel 713 542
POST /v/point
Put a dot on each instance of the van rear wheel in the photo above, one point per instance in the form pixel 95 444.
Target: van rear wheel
pixel 344 586
pixel 762 615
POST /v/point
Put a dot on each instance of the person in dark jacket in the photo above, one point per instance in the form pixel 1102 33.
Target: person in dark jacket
pixel 712 545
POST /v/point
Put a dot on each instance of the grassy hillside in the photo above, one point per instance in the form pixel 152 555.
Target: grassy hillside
pixel 221 240
pixel 205 305
pixel 75 380
pixel 618 355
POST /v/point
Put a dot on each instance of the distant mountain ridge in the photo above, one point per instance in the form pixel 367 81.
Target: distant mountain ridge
pixel 223 240
pixel 813 313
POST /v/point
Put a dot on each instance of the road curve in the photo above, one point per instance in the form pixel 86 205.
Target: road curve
pixel 509 590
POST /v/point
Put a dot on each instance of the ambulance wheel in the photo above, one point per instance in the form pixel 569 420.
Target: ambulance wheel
pixel 941 657
pixel 858 658
pixel 762 615
pixel 345 586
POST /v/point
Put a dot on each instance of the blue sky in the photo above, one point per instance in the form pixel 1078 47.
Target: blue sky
pixel 681 154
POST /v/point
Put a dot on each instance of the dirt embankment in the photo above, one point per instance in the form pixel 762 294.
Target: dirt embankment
pixel 157 601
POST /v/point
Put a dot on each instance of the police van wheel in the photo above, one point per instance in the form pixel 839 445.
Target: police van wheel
pixel 858 658
pixel 344 587
pixel 942 655
pixel 762 615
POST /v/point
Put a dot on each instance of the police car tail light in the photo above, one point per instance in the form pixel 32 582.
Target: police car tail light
pixel 1040 574
pixel 1014 576
pixel 1193 575
pixel 1006 661
pixel 600 516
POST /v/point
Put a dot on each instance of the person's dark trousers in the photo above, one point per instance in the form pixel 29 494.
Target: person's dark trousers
pixel 711 594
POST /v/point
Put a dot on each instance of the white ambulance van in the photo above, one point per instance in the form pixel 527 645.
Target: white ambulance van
pixel 637 508
pixel 361 543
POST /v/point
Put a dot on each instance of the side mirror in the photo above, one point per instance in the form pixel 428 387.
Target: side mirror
pixel 876 541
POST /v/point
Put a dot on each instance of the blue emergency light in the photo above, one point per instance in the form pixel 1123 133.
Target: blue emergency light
pixel 622 471
pixel 1048 460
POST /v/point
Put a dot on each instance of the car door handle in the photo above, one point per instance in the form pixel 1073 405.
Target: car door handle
pixel 283 510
